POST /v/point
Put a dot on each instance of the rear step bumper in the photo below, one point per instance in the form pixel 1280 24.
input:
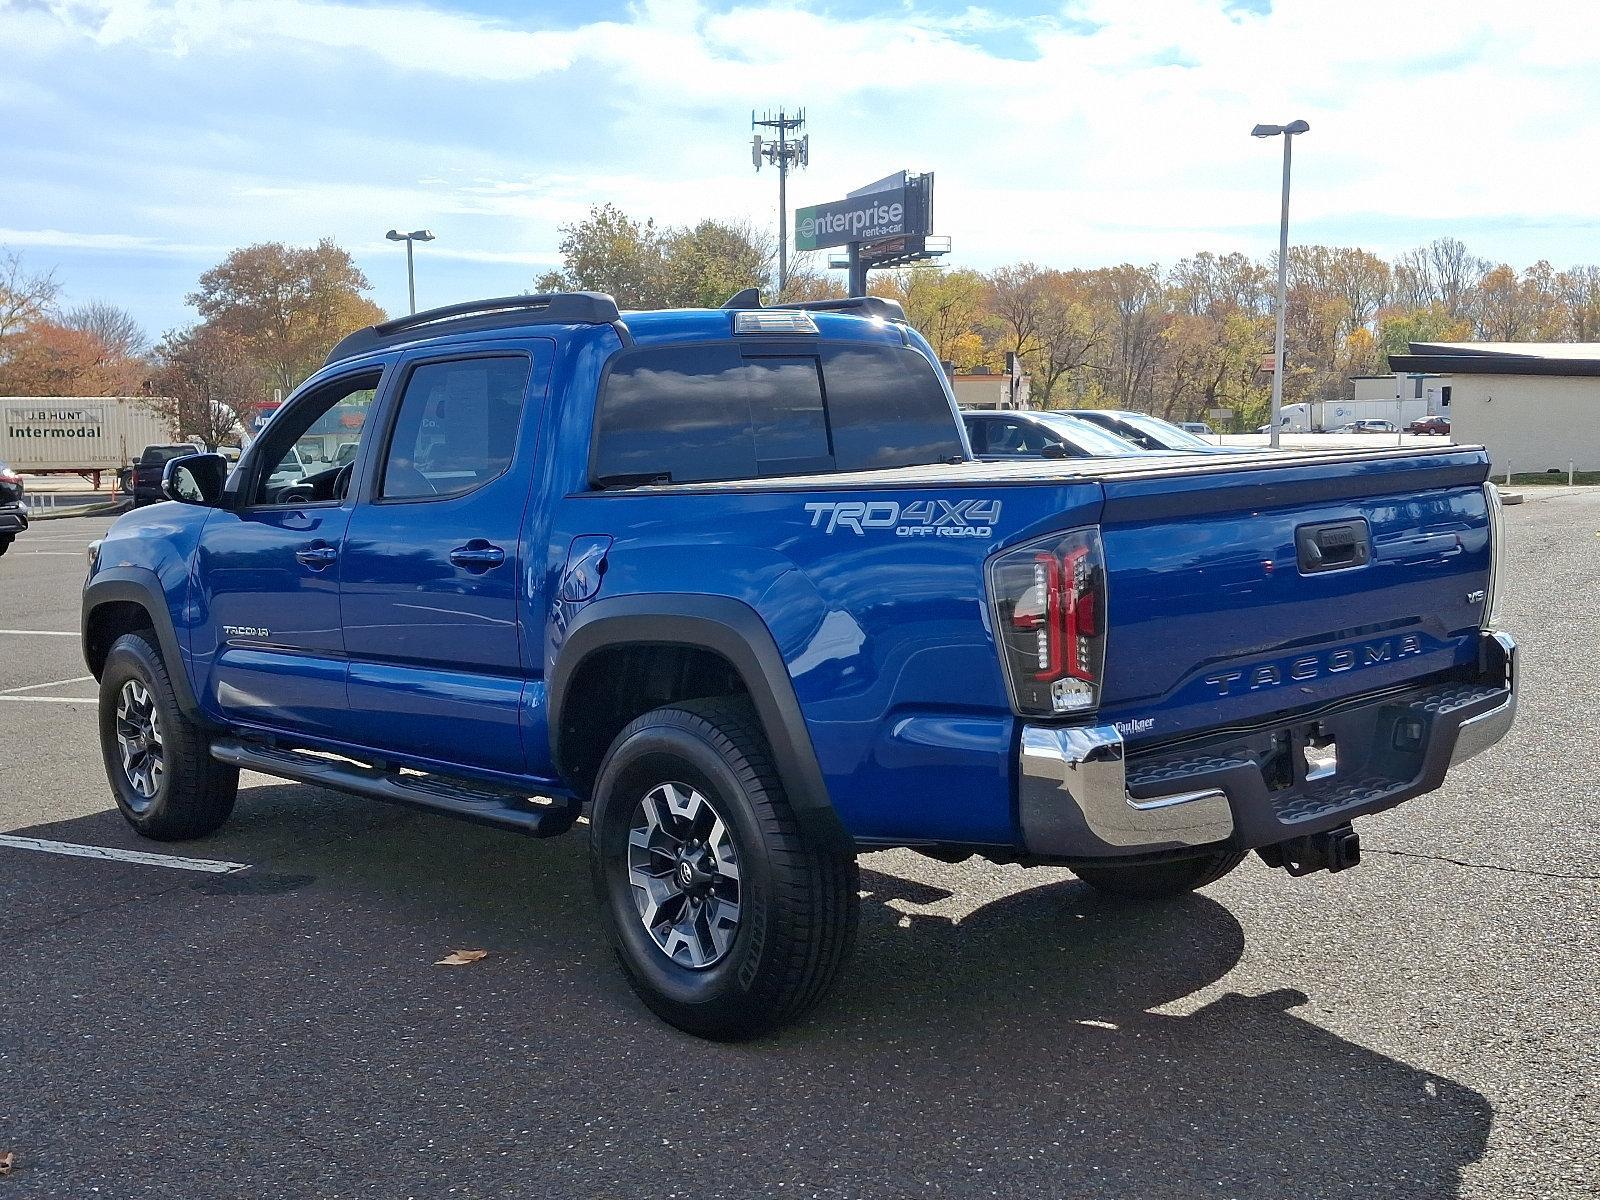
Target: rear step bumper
pixel 1080 796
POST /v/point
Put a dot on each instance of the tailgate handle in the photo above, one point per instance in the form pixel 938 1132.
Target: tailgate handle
pixel 1333 546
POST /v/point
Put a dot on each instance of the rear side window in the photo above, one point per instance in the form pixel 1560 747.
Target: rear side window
pixel 722 411
pixel 456 428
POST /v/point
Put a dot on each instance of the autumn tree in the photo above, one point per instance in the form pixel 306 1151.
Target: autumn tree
pixel 285 305
pixel 47 358
pixel 206 383
pixel 116 328
pixel 25 296
pixel 1067 331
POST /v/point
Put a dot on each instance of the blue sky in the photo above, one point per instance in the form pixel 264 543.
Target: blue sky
pixel 143 139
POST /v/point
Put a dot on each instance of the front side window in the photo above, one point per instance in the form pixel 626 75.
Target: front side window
pixel 296 467
pixel 456 428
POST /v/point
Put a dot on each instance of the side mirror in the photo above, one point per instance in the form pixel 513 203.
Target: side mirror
pixel 195 479
pixel 1055 450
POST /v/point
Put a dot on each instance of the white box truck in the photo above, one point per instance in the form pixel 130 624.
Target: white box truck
pixel 78 435
pixel 1324 416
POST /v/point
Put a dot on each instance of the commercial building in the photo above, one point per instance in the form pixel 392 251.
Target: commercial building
pixel 984 388
pixel 1534 405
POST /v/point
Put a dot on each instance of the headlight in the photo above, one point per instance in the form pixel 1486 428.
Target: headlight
pixel 94 555
pixel 1497 555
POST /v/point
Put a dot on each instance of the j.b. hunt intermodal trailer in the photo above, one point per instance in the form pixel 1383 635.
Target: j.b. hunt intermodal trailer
pixel 81 435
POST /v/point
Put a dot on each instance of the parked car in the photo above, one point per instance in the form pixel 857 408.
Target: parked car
pixel 729 582
pixel 1435 425
pixel 13 506
pixel 1019 434
pixel 1198 428
pixel 142 481
pixel 1150 433
pixel 1368 425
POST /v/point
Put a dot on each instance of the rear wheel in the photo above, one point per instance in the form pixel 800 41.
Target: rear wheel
pixel 1155 881
pixel 158 761
pixel 728 917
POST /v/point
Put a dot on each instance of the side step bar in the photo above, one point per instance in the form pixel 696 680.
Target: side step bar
pixel 456 797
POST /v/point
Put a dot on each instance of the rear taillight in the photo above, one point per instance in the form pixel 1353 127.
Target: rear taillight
pixel 1049 603
pixel 9 476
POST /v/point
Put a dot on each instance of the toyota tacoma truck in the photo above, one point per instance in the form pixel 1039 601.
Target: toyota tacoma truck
pixel 731 584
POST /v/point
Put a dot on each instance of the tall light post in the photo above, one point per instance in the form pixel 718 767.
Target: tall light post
pixel 416 235
pixel 1287 132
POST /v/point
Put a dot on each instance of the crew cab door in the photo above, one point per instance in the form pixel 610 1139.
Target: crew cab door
pixel 266 637
pixel 431 559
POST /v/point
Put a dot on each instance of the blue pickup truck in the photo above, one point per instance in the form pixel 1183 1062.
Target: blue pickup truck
pixel 731 583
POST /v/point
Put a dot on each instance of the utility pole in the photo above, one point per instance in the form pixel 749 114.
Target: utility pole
pixel 783 153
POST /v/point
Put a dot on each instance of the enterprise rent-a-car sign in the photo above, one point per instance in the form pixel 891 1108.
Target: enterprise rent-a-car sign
pixel 858 219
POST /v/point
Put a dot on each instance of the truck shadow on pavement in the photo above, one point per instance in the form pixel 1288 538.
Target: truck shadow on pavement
pixel 975 1046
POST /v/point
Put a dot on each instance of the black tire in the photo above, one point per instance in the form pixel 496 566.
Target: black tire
pixel 1160 880
pixel 797 893
pixel 5 541
pixel 191 794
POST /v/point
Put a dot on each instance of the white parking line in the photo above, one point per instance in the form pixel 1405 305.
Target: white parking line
pixel 34 687
pixel 56 553
pixel 43 632
pixel 74 850
pixel 51 699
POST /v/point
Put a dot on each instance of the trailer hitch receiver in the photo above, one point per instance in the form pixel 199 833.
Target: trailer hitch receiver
pixel 1331 850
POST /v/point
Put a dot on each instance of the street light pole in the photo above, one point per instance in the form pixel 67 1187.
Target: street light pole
pixel 416 235
pixel 1287 132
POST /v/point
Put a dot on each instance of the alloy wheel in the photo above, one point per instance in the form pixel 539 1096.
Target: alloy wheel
pixel 139 740
pixel 683 867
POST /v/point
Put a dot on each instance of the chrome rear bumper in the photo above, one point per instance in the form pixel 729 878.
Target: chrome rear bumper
pixel 1075 802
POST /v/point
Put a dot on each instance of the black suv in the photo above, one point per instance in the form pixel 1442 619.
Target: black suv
pixel 13 509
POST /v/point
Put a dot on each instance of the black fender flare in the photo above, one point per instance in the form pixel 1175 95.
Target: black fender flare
pixel 724 626
pixel 141 586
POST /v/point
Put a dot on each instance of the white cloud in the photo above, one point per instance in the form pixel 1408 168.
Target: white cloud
pixel 1099 131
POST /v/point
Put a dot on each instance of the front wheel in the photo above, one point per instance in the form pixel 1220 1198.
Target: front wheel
pixel 5 541
pixel 158 761
pixel 728 917
pixel 1160 880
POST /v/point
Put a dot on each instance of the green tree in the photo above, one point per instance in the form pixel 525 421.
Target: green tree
pixel 608 251
pixel 705 264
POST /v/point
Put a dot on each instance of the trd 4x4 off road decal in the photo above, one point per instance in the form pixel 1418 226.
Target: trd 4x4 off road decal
pixel 921 518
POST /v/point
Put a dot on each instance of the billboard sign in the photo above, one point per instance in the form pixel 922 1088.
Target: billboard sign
pixel 901 211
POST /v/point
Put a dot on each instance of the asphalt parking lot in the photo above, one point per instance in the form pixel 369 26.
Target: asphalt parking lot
pixel 1422 1026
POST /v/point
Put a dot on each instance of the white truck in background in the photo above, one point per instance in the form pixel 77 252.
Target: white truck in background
pixel 1324 416
pixel 79 435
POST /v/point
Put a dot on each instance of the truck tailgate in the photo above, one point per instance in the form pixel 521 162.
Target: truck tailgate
pixel 1240 593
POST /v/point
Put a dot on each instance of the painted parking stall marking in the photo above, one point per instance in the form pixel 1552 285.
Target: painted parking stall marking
pixel 175 862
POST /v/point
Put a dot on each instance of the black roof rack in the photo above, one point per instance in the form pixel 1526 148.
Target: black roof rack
pixel 867 306
pixel 550 308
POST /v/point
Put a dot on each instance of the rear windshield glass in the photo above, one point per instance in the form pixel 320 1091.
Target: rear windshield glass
pixel 725 411
pixel 155 456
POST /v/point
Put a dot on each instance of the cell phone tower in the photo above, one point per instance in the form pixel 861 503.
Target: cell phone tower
pixel 791 148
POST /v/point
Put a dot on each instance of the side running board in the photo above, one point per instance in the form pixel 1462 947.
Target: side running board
pixel 456 797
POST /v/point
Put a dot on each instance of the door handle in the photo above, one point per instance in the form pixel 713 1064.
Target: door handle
pixel 477 555
pixel 316 557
